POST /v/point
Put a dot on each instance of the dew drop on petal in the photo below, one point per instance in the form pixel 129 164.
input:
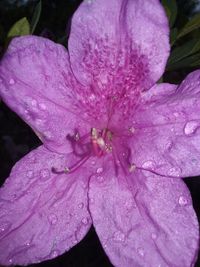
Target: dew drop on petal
pixel 29 174
pixel 84 220
pixel 100 179
pixel 42 106
pixel 99 170
pixel 80 205
pixel 10 261
pixel 52 219
pixel 119 236
pixel 28 244
pixel 182 201
pixel 140 251
pixel 149 164
pixel 190 127
pixel 11 81
pixel 44 174
pixel 153 236
pixel 175 171
pixel 4 227
pixel 54 253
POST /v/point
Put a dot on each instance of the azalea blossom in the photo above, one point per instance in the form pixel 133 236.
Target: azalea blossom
pixel 116 145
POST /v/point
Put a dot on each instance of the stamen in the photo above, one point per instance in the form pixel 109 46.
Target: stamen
pixel 71 169
pixel 132 167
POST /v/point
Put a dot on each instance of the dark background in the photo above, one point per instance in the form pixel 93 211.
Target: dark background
pixel 17 139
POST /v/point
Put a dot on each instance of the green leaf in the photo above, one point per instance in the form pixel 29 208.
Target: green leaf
pixel 184 51
pixel 36 16
pixel 188 62
pixel 21 27
pixel 173 36
pixel 190 26
pixel 171 10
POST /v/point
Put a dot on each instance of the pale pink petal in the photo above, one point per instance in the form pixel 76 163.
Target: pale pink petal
pixel 36 82
pixel 167 129
pixel 147 222
pixel 42 214
pixel 119 45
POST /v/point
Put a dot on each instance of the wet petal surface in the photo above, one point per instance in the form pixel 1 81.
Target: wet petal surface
pixel 42 214
pixel 146 222
pixel 113 57
pixel 37 83
pixel 167 129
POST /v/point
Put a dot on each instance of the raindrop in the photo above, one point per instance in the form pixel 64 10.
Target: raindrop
pixel 131 130
pixel 48 135
pixel 190 127
pixel 175 171
pixel 4 226
pixel 100 179
pixel 99 170
pixel 182 201
pixel 84 220
pixel 42 106
pixel 11 81
pixel 140 251
pixel 28 244
pixel 10 261
pixel 80 205
pixel 149 164
pixel 153 236
pixel 29 174
pixel 119 236
pixel 54 253
pixel 44 174
pixel 52 219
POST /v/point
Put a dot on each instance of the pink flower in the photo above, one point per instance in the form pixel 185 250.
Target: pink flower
pixel 115 144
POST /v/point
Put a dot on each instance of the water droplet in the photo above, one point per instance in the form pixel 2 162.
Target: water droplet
pixel 33 102
pixel 140 251
pixel 182 201
pixel 29 174
pixel 149 164
pixel 190 127
pixel 54 253
pixel 42 106
pixel 52 219
pixel 119 236
pixel 100 179
pixel 4 227
pixel 153 236
pixel 131 130
pixel 175 171
pixel 176 114
pixel 39 122
pixel 10 261
pixel 28 244
pixel 44 174
pixel 84 220
pixel 99 170
pixel 48 135
pixel 80 205
pixel 11 81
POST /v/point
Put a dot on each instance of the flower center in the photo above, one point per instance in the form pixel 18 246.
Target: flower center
pixel 96 143
pixel 101 141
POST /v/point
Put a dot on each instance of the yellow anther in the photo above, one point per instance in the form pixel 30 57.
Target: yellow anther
pixel 132 167
pixel 101 142
pixel 66 170
pixel 94 133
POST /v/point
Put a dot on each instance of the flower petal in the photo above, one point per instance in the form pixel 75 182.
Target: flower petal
pixel 167 129
pixel 42 214
pixel 119 44
pixel 148 223
pixel 37 83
